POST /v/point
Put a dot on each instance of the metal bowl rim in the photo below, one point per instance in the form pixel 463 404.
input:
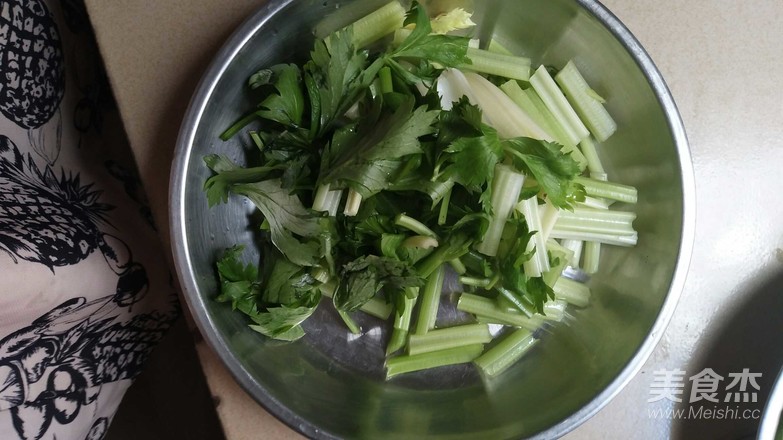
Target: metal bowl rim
pixel 207 328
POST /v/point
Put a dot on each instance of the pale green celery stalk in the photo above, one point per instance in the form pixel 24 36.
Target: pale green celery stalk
pixel 593 225
pixel 409 363
pixel 402 322
pixel 562 258
pixel 414 225
pixel 617 240
pixel 557 103
pixel 420 241
pixel 608 190
pixel 489 311
pixel 498 110
pixel 475 282
pixel 430 301
pixel 575 246
pixel 327 200
pixel 507 298
pixel 257 140
pixel 506 353
pixel 349 322
pixel 376 306
pixel 539 263
pixel 352 203
pixel 572 292
pixel 554 310
pixel 400 35
pixel 594 202
pixel 506 66
pixel 549 215
pixel 321 275
pixel 591 257
pixel 506 186
pixel 385 77
pixel 458 266
pixel 378 24
pixel 590 152
pixel 594 215
pixel 451 337
pixel 444 208
pixel 585 102
pixel 553 246
pixel 529 101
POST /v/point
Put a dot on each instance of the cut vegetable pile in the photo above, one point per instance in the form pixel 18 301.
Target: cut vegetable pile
pixel 401 154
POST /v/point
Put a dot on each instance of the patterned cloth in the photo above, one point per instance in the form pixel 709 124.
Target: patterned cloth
pixel 84 292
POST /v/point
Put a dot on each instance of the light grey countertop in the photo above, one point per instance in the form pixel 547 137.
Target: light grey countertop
pixel 722 61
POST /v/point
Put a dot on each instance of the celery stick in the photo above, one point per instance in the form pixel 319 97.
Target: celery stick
pixel 352 203
pixel 375 306
pixel 590 152
pixel 507 352
pixel 451 337
pixel 554 247
pixel 430 300
pixel 522 304
pixel 539 263
pixel 506 66
pixel 378 24
pixel 349 322
pixel 575 246
pixel 414 225
pixel 590 109
pixel 608 190
pixel 409 363
pixel 549 215
pixel 613 239
pixel 591 257
pixel 402 322
pixel 557 103
pixel 385 76
pixel 599 215
pixel 499 111
pixel 572 291
pixel 506 186
pixel 420 241
pixel 458 267
pixel 496 47
pixel 475 282
pixel 594 202
pixel 489 309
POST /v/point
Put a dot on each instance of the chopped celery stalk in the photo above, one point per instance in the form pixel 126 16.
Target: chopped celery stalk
pixel 602 215
pixel 349 322
pixel 506 353
pixel 444 208
pixel 492 312
pixel 474 43
pixel 458 267
pixel 257 140
pixel 590 152
pixel 572 292
pixel 608 190
pixel 475 282
pixel 590 257
pixel 613 239
pixel 561 260
pixel 586 103
pixel 327 200
pixel 377 24
pixel 506 186
pixel 554 310
pixel 529 101
pixel 402 322
pixel 452 356
pixel 549 215
pixel 400 35
pixel 352 203
pixel 575 246
pixel 321 275
pixel 420 241
pixel 557 103
pixel 553 246
pixel 521 304
pixel 414 225
pixel 539 263
pixel 506 66
pixel 375 306
pixel 594 202
pixel 451 337
pixel 430 301
pixel 500 112
pixel 384 74
pixel 599 224
pixel 603 177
